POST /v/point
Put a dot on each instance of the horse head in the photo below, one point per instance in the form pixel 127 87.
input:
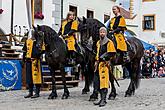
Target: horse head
pixel 39 36
pixel 84 30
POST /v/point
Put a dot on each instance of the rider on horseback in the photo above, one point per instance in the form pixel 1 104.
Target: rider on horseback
pixel 117 28
pixel 68 28
pixel 101 80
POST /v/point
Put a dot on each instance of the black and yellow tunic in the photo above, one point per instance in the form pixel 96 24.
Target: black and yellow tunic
pixel 103 70
pixel 69 28
pixel 33 68
pixel 118 26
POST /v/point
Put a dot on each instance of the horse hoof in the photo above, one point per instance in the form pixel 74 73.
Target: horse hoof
pixel 128 95
pixel 85 91
pixel 64 97
pixel 52 97
pixel 111 98
pixel 93 99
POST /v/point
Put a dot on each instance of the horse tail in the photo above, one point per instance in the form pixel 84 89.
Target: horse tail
pixel 136 79
pixel 89 73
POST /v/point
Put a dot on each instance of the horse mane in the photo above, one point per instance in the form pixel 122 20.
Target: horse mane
pixel 94 26
pixel 49 32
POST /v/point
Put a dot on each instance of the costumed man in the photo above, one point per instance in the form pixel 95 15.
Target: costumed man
pixel 117 28
pixel 31 56
pixel 67 31
pixel 105 48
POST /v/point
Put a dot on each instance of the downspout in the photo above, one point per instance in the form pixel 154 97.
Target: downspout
pixel 62 1
pixel 12 19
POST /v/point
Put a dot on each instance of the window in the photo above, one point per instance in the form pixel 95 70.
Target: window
pixel 90 14
pixel 38 9
pixel 106 18
pixel 73 9
pixel 37 6
pixel 149 22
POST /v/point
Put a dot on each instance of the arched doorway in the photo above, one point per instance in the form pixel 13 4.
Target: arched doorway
pixel 2 38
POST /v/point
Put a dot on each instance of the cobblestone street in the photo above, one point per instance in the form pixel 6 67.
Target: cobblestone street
pixel 150 96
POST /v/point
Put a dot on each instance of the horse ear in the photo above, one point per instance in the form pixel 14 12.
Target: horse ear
pixel 34 28
pixel 84 20
pixel 79 19
pixel 38 27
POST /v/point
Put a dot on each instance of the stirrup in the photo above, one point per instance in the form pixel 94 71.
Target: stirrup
pixel 126 59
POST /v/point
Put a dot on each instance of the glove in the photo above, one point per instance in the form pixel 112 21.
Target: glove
pixel 65 36
pixel 102 59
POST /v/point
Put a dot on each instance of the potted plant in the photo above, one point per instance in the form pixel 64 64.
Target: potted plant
pixel 1 11
pixel 39 15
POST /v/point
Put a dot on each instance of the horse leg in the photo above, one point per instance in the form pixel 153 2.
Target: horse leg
pixel 134 75
pixel 86 88
pixel 96 85
pixel 53 94
pixel 113 94
pixel 66 91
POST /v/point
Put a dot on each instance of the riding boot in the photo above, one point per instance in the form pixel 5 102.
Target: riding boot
pixel 30 92
pixel 126 57
pixel 103 97
pixel 37 92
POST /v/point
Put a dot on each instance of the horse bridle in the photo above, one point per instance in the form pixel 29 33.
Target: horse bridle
pixel 41 33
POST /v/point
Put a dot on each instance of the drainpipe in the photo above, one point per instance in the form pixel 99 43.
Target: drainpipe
pixel 12 18
pixel 62 1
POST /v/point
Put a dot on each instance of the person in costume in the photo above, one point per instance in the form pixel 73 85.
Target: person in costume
pixel 117 28
pixel 105 48
pixel 68 29
pixel 31 57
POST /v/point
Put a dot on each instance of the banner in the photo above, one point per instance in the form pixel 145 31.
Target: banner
pixel 10 75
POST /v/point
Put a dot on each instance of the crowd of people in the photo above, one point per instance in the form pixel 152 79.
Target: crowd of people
pixel 153 63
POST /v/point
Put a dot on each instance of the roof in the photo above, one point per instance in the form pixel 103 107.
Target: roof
pixel 126 14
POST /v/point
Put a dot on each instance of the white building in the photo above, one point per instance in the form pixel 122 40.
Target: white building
pixel 152 24
pixel 20 14
pixel 99 9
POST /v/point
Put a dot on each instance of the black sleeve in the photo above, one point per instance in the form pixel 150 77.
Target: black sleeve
pixel 60 31
pixel 71 32
pixel 107 55
pixel 24 51
pixel 117 30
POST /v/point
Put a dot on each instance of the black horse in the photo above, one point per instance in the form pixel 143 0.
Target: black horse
pixel 55 55
pixel 90 28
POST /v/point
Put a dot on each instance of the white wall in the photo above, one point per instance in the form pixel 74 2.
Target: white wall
pixel 156 7
pixel 20 14
pixel 100 7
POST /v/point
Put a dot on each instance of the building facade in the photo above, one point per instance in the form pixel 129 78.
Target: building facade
pixel 152 21
pixel 99 9
pixel 44 7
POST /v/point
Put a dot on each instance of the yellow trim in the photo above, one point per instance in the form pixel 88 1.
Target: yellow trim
pixel 29 45
pixel 36 71
pixel 104 75
pixel 145 30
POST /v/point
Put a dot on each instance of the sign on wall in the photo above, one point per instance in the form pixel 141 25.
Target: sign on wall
pixel 10 75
